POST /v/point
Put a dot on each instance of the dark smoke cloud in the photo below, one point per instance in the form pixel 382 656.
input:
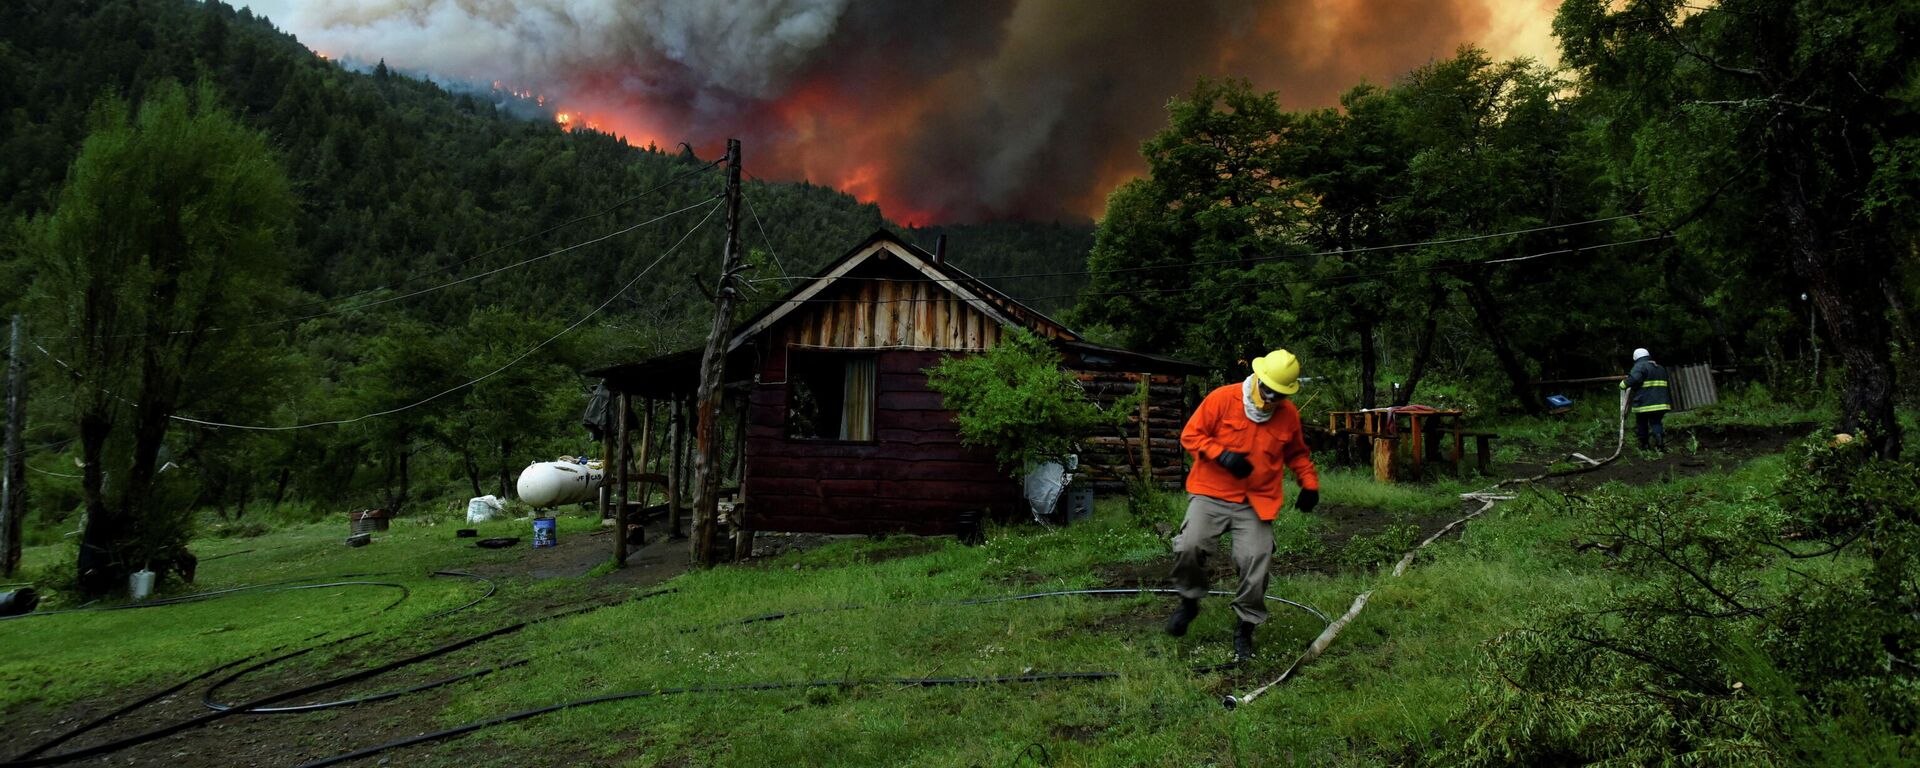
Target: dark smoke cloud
pixel 940 111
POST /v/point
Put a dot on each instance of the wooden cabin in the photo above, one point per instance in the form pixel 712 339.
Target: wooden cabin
pixel 842 433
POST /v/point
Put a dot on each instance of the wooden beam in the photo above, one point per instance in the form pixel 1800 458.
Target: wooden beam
pixel 646 448
pixel 676 429
pixel 742 534
pixel 622 444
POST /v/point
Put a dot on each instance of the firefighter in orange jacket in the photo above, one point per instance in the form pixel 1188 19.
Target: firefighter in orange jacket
pixel 1242 437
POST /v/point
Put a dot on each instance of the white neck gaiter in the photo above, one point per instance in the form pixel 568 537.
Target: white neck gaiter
pixel 1254 414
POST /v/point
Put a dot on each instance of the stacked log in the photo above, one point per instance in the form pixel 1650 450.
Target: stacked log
pixel 1110 459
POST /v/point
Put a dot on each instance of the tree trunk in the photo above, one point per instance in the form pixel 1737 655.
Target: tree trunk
pixel 1844 279
pixel 1368 364
pixel 99 573
pixel 1424 353
pixel 507 490
pixel 1493 324
pixel 473 472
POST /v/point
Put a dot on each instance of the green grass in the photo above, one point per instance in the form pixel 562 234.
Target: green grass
pixel 872 608
pixel 152 646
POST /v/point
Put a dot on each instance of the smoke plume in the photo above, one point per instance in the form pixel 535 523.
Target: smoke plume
pixel 941 112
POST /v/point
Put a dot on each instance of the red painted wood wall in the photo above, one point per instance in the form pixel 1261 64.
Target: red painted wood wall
pixel 915 477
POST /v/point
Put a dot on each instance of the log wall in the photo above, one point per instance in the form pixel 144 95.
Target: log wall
pixel 1110 459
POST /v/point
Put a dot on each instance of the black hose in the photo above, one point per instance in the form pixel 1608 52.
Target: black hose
pixel 109 717
pixel 289 585
pixel 207 698
pixel 766 617
pixel 354 677
pixel 922 682
pixel 491 588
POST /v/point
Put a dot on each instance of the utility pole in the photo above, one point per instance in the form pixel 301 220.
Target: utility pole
pixel 713 369
pixel 13 484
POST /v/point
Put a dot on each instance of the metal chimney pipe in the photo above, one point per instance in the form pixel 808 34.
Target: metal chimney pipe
pixel 940 250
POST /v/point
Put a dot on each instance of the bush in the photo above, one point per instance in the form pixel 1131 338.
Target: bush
pixel 1748 628
pixel 1016 400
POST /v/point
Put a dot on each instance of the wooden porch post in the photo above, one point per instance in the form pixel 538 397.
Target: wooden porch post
pixel 622 445
pixel 675 427
pixel 646 446
pixel 742 535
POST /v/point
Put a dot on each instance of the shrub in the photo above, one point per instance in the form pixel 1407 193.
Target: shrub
pixel 1725 642
pixel 1016 400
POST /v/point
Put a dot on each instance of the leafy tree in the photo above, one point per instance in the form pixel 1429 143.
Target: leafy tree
pixel 1777 128
pixel 1016 400
pixel 1183 259
pixel 167 238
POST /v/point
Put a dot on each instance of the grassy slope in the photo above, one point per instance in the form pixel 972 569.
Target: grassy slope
pixel 1395 677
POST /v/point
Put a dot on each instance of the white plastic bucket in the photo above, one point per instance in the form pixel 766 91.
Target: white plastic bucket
pixel 140 584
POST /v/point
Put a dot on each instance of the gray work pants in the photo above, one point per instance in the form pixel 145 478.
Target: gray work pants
pixel 1199 539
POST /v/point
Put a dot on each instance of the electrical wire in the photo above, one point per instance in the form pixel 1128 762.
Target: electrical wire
pixel 1261 259
pixel 496 249
pixel 764 237
pixel 509 364
pixel 477 276
pixel 421 292
pixel 682 176
pixel 1226 284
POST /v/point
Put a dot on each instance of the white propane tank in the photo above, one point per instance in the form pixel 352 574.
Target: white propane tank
pixel 549 483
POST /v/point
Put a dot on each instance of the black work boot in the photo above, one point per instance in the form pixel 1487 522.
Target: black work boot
pixel 1243 641
pixel 1182 616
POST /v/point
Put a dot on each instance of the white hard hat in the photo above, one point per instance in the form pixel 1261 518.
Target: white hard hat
pixel 1640 353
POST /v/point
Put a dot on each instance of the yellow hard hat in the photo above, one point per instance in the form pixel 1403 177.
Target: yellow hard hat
pixel 1279 370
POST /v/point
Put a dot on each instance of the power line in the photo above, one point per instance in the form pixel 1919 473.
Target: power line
pixel 1241 283
pixel 522 356
pixel 1258 259
pixel 488 273
pixel 763 229
pixel 677 178
pixel 423 291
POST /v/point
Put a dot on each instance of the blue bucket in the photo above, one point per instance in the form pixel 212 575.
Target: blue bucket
pixel 545 534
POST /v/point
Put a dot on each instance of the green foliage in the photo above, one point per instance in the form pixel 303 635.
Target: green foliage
pixel 169 231
pixel 1756 625
pixel 1017 401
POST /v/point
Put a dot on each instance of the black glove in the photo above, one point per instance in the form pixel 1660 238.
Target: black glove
pixel 1236 463
pixel 1309 499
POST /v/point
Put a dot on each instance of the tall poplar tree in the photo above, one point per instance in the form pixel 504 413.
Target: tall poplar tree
pixel 166 240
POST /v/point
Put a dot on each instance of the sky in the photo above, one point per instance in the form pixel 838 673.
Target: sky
pixel 945 112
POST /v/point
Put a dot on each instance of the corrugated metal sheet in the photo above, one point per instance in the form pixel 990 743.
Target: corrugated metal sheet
pixel 1693 386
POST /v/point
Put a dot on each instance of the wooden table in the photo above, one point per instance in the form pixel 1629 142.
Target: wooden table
pixel 1386 426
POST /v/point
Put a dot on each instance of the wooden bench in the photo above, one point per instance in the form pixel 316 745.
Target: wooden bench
pixel 1482 448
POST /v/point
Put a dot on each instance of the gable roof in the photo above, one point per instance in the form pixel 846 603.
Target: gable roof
pixel 678 371
pixel 984 298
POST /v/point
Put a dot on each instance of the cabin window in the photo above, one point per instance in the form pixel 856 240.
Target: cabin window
pixel 830 396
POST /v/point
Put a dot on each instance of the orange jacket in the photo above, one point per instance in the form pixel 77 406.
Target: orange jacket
pixel 1221 424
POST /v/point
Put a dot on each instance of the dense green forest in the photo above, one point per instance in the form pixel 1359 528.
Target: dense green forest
pixel 399 187
pixel 1480 225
